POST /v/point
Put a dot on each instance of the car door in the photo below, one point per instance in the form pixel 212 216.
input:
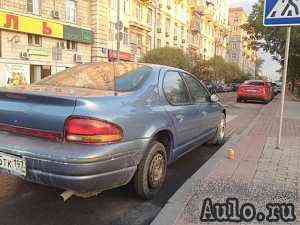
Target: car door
pixel 208 112
pixel 178 106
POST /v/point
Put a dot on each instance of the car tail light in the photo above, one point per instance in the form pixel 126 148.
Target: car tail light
pixel 91 131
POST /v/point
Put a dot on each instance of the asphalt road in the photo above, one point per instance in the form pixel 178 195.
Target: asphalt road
pixel 22 203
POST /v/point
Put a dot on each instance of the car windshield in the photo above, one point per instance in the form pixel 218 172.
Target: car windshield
pixel 128 77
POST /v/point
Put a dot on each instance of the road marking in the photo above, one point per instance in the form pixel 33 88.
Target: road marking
pixel 230 118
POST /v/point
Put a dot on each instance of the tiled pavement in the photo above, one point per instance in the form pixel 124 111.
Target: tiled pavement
pixel 259 169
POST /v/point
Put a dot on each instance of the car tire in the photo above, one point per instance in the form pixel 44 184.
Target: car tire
pixel 151 172
pixel 219 137
pixel 238 100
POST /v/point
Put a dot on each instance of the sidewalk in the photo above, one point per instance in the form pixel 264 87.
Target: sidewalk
pixel 260 174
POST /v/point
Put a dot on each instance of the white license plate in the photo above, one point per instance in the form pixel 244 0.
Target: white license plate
pixel 12 164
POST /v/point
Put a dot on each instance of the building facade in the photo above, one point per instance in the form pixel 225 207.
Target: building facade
pixel 39 38
pixel 239 49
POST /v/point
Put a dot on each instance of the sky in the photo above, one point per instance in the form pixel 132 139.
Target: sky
pixel 270 66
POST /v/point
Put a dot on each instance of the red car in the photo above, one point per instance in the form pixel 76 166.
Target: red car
pixel 254 90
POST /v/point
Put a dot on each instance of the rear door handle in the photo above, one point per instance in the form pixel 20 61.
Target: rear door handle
pixel 179 117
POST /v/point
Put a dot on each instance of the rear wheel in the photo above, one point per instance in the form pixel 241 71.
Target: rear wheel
pixel 219 137
pixel 151 173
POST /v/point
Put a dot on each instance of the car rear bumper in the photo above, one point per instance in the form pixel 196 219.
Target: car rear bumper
pixel 88 168
pixel 254 98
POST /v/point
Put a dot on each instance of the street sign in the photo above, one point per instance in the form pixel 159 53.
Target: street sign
pixel 282 13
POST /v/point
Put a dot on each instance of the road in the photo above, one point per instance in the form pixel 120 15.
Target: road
pixel 29 204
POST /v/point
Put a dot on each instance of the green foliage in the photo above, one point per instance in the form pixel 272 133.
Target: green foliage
pixel 214 69
pixel 168 56
pixel 272 40
pixel 217 69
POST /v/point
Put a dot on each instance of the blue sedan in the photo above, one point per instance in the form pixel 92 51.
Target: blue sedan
pixel 99 126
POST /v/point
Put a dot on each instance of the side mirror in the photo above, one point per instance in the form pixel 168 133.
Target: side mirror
pixel 214 98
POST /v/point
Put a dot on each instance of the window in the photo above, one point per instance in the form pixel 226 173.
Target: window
pixel 139 11
pixel 149 16
pixel 175 89
pixel 158 20
pixel 71 11
pixel 34 39
pixel 168 25
pixel 158 43
pixel 34 6
pixel 71 45
pixel 129 77
pixel 198 92
pixel 126 7
pixel 139 39
pixel 126 35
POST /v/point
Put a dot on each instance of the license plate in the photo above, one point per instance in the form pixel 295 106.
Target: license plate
pixel 12 164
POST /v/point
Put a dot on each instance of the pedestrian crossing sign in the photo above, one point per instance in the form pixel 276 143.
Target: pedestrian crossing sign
pixel 282 13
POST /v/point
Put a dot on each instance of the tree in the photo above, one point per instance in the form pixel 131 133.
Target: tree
pixel 272 40
pixel 168 56
pixel 259 65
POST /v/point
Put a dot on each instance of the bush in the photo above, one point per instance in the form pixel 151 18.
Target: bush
pixel 168 56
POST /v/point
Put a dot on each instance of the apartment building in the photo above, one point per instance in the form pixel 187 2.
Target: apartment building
pixel 208 27
pixel 39 38
pixel 239 49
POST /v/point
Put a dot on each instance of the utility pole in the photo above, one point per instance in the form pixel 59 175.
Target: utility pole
pixel 118 30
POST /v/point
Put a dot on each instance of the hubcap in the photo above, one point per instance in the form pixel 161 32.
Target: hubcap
pixel 156 171
pixel 222 127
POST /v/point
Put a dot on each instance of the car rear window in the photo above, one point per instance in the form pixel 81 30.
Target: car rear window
pixel 255 83
pixel 128 77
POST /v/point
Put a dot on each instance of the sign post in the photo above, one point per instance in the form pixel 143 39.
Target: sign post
pixel 286 62
pixel 282 13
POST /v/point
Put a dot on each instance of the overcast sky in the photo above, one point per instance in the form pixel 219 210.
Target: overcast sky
pixel 270 66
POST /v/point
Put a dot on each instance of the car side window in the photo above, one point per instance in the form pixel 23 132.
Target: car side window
pixel 175 89
pixel 197 91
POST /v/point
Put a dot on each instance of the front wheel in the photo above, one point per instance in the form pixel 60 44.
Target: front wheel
pixel 219 137
pixel 151 172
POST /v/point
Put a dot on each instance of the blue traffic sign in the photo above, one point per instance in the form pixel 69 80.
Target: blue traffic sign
pixel 282 13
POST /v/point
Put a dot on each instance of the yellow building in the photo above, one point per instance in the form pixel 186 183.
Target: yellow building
pixel 39 38
pixel 239 50
pixel 208 27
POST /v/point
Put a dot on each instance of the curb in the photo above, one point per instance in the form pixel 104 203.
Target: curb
pixel 176 204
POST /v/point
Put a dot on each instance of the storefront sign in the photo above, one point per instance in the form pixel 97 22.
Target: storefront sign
pixel 112 55
pixel 26 24
pixel 30 25
pixel 38 51
pixel 14 74
pixel 77 34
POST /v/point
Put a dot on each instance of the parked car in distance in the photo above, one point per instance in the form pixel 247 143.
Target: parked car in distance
pixel 235 86
pixel 99 126
pixel 254 90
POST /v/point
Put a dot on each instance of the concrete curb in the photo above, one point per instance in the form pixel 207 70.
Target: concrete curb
pixel 176 204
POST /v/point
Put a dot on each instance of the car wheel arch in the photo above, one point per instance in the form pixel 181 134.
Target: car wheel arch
pixel 165 137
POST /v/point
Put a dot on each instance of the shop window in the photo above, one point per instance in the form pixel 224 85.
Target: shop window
pixel 34 39
pixel 34 6
pixel 71 45
pixel 158 43
pixel 71 11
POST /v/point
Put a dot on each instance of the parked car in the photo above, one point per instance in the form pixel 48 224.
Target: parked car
pixel 257 90
pixel 99 126
pixel 235 86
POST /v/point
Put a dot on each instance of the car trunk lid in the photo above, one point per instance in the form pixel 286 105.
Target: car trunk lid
pixel 36 109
